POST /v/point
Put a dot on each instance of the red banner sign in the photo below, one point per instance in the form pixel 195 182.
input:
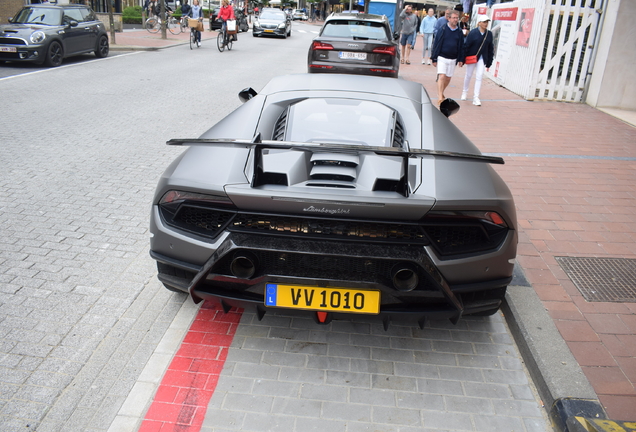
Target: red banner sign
pixel 508 14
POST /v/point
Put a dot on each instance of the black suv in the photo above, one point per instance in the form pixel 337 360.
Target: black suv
pixel 46 34
pixel 360 44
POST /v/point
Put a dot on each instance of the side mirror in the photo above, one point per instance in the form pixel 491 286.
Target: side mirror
pixel 10 20
pixel 247 94
pixel 72 23
pixel 449 107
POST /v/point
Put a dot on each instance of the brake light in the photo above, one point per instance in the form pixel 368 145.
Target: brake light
pixel 385 50
pixel 315 45
pixel 321 66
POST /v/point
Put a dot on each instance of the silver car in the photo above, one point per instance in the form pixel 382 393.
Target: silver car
pixel 272 22
pixel 336 195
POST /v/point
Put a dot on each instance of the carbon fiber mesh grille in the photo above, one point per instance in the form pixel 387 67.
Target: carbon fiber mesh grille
pixel 457 239
pixel 321 267
pixel 204 221
pixel 329 228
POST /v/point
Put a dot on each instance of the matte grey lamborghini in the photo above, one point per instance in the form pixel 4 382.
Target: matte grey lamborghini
pixel 336 194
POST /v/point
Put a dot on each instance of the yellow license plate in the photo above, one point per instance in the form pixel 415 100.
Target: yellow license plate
pixel 269 31
pixel 322 299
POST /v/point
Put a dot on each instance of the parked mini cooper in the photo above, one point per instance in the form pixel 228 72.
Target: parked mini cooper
pixel 47 34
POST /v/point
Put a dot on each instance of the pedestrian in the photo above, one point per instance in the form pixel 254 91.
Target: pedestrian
pixel 409 24
pixel 442 21
pixel 185 8
pixel 196 12
pixel 479 43
pixel 417 29
pixel 426 28
pixel 467 6
pixel 152 8
pixel 464 26
pixel 448 51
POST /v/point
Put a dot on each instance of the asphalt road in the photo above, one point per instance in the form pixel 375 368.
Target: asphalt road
pixel 19 68
pixel 81 311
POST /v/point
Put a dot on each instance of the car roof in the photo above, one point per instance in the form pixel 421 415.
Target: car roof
pixel 55 6
pixel 357 17
pixel 346 83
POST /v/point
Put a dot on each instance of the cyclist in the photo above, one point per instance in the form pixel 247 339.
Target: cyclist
pixel 185 8
pixel 196 12
pixel 225 13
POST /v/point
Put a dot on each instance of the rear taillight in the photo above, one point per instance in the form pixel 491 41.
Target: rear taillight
pixel 385 50
pixel 315 45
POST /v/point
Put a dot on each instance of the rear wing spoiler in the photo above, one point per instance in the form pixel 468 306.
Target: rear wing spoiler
pixel 332 147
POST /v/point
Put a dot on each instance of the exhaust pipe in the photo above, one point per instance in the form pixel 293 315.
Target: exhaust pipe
pixel 404 278
pixel 243 266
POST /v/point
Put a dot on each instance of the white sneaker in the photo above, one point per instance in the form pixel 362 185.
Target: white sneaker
pixel 429 62
pixel 476 101
pixel 198 44
pixel 423 61
pixel 464 96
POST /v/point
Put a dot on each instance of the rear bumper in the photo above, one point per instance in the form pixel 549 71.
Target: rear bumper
pixel 318 67
pixel 329 264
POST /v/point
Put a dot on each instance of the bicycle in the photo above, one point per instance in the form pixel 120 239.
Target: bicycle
pixel 183 23
pixel 173 25
pixel 193 24
pixel 153 25
pixel 224 40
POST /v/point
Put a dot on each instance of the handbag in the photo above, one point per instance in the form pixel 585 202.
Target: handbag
pixel 231 26
pixel 475 58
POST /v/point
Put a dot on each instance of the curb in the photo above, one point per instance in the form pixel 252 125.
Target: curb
pixel 565 391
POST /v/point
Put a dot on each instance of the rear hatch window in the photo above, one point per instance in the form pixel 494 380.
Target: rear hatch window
pixel 344 121
pixel 356 29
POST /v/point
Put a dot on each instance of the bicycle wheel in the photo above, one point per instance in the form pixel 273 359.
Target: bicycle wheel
pixel 174 26
pixel 228 42
pixel 152 25
pixel 192 38
pixel 219 42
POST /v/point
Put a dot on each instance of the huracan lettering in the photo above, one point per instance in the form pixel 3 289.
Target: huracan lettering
pixel 313 209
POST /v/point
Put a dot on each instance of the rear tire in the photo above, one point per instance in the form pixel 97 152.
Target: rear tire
pixel 173 26
pixel 102 48
pixel 54 54
pixel 152 25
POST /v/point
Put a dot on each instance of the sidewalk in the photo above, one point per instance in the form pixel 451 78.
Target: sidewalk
pixel 572 171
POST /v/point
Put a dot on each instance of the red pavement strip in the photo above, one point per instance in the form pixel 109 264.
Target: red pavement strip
pixel 185 391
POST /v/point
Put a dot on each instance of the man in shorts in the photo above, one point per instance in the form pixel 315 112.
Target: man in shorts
pixel 409 25
pixel 448 51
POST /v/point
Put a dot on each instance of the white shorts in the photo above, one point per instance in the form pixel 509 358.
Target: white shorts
pixel 445 66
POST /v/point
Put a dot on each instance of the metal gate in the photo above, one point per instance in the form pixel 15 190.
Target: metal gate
pixel 567 38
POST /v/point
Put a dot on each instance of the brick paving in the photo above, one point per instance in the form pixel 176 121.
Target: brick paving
pixel 572 171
